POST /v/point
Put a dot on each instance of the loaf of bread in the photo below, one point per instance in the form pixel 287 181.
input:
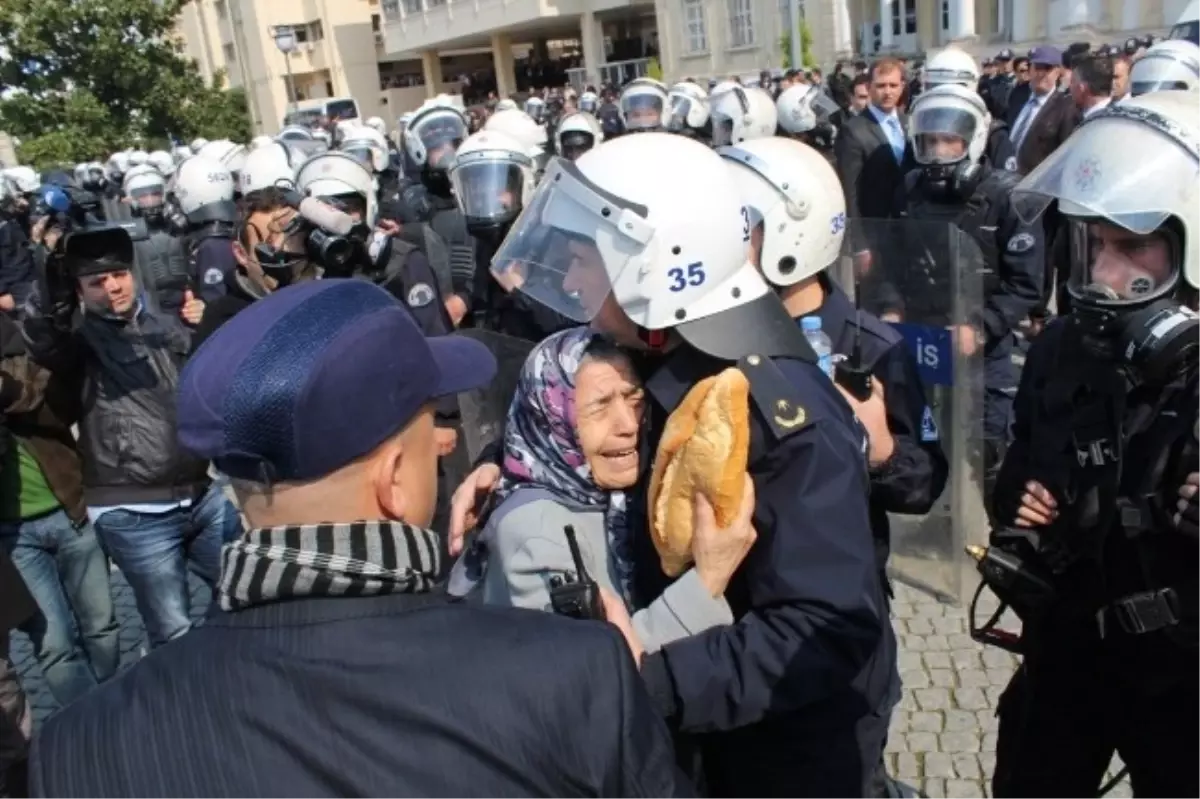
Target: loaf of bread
pixel 703 450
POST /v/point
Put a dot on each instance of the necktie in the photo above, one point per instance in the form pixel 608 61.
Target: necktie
pixel 897 138
pixel 1023 121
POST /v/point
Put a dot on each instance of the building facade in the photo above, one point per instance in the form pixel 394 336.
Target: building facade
pixel 339 52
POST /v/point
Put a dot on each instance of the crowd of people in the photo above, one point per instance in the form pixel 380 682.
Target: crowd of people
pixel 665 570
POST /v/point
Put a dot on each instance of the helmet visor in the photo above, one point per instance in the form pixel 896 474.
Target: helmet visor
pixel 1092 178
pixel 643 110
pixel 680 106
pixel 571 243
pixel 488 191
pixel 575 143
pixel 147 198
pixel 589 103
pixel 441 135
pixel 1112 267
pixel 941 135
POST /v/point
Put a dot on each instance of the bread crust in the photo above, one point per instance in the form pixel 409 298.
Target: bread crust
pixel 704 449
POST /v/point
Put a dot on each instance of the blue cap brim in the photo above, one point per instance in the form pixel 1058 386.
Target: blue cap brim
pixel 465 364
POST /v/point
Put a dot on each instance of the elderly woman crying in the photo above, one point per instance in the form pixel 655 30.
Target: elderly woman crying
pixel 573 448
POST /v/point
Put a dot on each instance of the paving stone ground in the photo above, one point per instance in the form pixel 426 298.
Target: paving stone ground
pixel 943 734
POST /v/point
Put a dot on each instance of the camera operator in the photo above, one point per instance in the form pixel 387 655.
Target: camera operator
pixel 151 504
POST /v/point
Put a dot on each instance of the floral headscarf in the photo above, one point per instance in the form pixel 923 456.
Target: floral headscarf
pixel 541 447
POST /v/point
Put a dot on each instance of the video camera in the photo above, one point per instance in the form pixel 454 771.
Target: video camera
pixel 68 208
pixel 332 239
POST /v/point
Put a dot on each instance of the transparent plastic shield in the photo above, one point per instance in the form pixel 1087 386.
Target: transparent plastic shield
pixel 927 278
pixel 483 410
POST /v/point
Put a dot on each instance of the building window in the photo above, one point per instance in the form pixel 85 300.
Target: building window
pixel 391 8
pixel 741 22
pixel 945 15
pixel 230 55
pixel 219 7
pixel 412 6
pixel 375 22
pixel 318 31
pixel 693 20
pixel 896 11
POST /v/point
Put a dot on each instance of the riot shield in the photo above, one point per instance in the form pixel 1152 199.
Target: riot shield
pixel 927 279
pixel 484 409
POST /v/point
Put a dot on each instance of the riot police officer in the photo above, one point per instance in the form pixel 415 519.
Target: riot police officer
pixel 687 111
pixel 493 178
pixel 876 371
pixel 159 256
pixel 808 114
pixel 998 88
pixel 655 230
pixel 1098 490
pixel 953 66
pixel 204 211
pixel 947 130
pixel 431 139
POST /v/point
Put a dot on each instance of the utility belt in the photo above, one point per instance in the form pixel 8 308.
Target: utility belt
pixel 1145 612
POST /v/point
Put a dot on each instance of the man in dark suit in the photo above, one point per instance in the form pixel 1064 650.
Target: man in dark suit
pixel 1047 117
pixel 871 151
pixel 335 667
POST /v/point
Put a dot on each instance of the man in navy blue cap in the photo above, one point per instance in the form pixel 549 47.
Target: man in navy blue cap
pixel 337 668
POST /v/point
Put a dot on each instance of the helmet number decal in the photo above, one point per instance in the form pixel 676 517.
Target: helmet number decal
pixel 746 223
pixel 692 276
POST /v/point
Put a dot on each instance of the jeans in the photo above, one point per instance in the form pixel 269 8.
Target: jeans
pixel 75 636
pixel 155 550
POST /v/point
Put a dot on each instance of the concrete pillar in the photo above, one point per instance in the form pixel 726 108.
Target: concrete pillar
pixel 929 23
pixel 843 30
pixel 593 47
pixel 1131 15
pixel 431 70
pixel 886 40
pixel 502 62
pixel 962 20
pixel 1023 24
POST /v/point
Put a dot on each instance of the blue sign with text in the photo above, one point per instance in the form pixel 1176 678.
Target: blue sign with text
pixel 933 349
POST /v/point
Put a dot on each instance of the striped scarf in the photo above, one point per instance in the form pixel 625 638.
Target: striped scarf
pixel 354 559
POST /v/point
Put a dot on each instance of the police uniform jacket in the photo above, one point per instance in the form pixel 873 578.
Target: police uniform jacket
pixel 776 702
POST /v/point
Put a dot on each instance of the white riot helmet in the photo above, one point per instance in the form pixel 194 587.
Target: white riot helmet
pixel 493 179
pixel 95 176
pixel 433 136
pixel 162 161
pixel 802 107
pixel 948 125
pixel 951 65
pixel 295 133
pixel 687 107
pixel 644 104
pixel 321 135
pixel 203 190
pixel 536 108
pixel 369 146
pixel 197 144
pixel 271 166
pixel 24 178
pixel 1170 64
pixel 260 141
pixel 146 190
pixel 138 157
pixel 588 101
pixel 576 134
pixel 338 178
pixel 117 166
pixel 656 222
pixel 721 87
pixel 138 171
pixel 231 155
pixel 792 191
pixel 507 104
pixel 1093 179
pixel 740 114
pixel 80 173
pixel 377 124
pixel 521 127
pixel 180 153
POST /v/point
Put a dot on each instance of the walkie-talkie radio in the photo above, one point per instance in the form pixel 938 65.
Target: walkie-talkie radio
pixel 575 595
pixel 849 372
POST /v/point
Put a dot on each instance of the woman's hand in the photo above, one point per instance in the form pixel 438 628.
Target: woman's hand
pixel 718 553
pixel 466 502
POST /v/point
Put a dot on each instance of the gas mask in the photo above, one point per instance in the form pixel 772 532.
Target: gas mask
pixel 952 183
pixel 1127 315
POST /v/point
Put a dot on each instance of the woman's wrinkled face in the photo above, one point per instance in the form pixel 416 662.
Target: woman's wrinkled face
pixel 608 414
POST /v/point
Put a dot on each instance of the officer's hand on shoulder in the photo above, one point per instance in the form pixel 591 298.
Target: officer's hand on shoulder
pixel 446 438
pixel 872 412
pixel 1186 519
pixel 1038 506
pixel 468 501
pixel 388 227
